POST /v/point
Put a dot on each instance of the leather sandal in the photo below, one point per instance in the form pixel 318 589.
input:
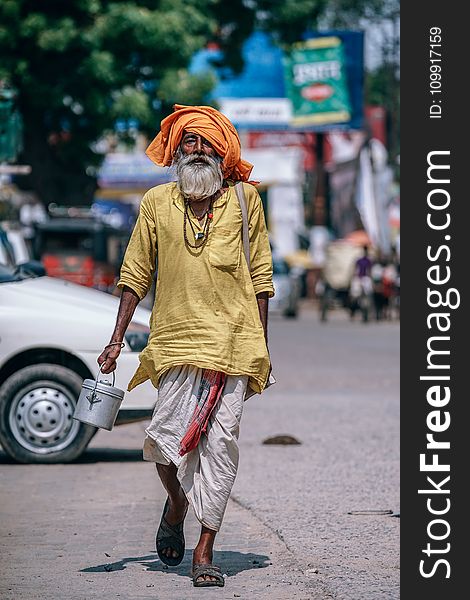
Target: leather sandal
pixel 170 536
pixel 211 571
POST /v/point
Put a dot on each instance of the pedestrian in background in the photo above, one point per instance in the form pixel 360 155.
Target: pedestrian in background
pixel 208 332
pixel 378 287
pixel 360 292
pixel 390 288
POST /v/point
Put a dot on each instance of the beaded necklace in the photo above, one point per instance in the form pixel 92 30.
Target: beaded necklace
pixel 198 235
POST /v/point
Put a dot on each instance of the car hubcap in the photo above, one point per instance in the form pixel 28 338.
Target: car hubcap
pixel 41 419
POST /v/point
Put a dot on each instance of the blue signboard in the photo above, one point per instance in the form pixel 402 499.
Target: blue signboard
pixel 263 78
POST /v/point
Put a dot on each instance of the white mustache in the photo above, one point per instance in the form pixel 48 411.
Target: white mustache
pixel 198 158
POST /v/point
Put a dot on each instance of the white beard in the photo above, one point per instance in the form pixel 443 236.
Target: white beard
pixel 198 180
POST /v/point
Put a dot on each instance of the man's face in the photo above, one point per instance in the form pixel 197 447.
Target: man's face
pixel 198 167
pixel 192 143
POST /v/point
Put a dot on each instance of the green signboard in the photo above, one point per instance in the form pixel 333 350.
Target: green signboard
pixel 316 82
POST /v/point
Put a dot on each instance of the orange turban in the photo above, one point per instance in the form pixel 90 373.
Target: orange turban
pixel 211 125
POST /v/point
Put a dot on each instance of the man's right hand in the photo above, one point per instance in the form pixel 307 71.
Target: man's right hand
pixel 107 359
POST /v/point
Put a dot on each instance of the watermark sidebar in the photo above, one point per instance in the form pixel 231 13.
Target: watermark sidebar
pixel 435 270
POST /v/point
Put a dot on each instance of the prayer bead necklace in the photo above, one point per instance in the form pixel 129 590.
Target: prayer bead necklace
pixel 198 235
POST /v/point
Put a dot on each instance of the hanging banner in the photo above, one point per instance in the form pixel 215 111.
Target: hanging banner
pixel 316 82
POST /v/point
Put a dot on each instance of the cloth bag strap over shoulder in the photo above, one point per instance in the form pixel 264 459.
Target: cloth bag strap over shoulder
pixel 246 249
pixel 245 234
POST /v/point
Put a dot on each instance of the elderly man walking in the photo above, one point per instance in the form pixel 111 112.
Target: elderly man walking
pixel 207 348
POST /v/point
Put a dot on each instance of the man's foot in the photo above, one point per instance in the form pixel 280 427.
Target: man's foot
pixel 202 555
pixel 171 529
pixel 207 576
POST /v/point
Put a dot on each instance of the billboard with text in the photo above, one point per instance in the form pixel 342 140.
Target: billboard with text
pixel 316 82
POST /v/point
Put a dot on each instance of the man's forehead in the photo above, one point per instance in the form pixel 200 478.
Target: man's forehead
pixel 192 132
pixel 189 132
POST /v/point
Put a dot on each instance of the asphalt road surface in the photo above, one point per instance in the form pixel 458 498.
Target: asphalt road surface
pixel 308 521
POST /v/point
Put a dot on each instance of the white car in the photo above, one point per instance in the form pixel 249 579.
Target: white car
pixel 51 333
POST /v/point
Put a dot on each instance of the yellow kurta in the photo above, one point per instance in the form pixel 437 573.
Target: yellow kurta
pixel 205 312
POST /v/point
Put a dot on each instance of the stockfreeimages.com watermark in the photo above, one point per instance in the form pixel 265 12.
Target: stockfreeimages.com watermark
pixel 441 299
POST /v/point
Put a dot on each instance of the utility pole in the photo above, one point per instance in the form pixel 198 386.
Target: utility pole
pixel 320 198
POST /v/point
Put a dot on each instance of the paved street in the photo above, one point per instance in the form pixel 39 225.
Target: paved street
pixel 86 531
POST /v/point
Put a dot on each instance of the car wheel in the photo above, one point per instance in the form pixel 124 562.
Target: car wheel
pixel 36 408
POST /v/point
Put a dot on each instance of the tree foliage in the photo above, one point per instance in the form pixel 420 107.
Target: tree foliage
pixel 79 65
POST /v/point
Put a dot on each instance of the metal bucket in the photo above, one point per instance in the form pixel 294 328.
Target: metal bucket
pixel 98 403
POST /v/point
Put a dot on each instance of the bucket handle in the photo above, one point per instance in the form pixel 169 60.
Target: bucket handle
pixel 92 397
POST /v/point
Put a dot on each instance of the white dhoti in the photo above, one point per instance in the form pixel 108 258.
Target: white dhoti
pixel 208 472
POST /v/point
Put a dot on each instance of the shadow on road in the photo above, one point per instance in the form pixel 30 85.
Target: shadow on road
pixel 93 455
pixel 230 563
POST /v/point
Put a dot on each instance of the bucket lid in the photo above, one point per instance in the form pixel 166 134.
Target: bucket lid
pixel 104 387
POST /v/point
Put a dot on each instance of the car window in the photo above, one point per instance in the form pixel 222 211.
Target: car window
pixel 73 242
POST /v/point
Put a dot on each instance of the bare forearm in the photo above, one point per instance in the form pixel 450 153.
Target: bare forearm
pixel 263 301
pixel 127 306
pixel 107 359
